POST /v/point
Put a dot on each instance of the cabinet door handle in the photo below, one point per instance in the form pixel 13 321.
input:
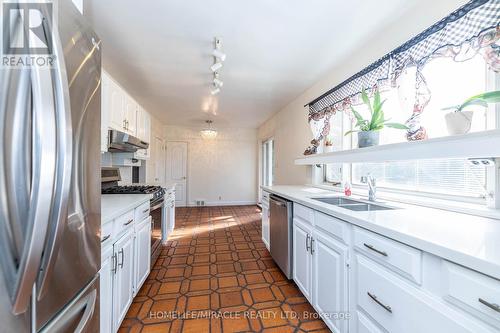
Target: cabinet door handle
pixel 312 246
pixel 123 256
pixel 375 299
pixel 115 262
pixel 492 306
pixel 129 221
pixel 307 242
pixel 371 247
pixel 105 238
pixel 145 211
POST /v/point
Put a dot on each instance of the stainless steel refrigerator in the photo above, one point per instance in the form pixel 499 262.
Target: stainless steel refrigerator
pixel 50 182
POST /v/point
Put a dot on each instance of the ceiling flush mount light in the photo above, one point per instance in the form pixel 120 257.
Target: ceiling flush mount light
pixel 208 133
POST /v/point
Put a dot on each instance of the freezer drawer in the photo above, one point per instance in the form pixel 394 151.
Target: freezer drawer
pixel 81 315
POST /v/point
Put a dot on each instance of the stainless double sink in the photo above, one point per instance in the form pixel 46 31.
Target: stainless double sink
pixel 354 205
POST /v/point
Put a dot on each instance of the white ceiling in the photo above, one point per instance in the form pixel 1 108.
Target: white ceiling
pixel 159 51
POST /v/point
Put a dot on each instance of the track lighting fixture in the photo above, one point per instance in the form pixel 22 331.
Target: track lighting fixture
pixel 219 57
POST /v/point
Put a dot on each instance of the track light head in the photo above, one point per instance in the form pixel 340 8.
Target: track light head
pixel 218 82
pixel 215 67
pixel 214 90
pixel 219 54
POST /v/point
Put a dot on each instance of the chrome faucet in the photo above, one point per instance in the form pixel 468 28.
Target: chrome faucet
pixel 372 186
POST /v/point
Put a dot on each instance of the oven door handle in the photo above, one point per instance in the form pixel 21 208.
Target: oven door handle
pixel 157 205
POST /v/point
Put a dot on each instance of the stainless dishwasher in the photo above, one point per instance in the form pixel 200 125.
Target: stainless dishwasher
pixel 280 222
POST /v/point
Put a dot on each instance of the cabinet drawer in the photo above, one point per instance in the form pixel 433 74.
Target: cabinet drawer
pixel 265 198
pixel 123 223
pixel 332 225
pixel 365 325
pixel 475 293
pixel 403 259
pixel 142 212
pixel 107 234
pixel 304 213
pixel 398 306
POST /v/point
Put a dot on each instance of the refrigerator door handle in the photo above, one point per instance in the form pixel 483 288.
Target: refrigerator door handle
pixel 64 155
pixel 23 265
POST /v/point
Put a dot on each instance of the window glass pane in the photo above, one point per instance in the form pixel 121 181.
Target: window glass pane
pixel 333 172
pixel 451 176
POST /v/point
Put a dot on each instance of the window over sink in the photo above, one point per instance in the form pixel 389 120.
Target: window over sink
pixel 452 179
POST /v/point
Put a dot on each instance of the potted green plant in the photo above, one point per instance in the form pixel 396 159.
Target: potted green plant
pixel 329 144
pixel 459 120
pixel 369 129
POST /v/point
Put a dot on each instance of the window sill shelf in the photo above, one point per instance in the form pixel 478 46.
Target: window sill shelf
pixel 472 145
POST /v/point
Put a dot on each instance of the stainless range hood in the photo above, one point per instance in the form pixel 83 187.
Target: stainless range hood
pixel 123 142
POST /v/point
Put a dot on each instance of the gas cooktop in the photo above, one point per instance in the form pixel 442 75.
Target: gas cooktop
pixel 157 191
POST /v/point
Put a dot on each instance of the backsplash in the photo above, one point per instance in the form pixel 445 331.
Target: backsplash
pixel 125 172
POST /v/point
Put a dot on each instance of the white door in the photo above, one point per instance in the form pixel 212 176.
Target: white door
pixel 142 253
pixel 302 262
pixel 177 169
pixel 124 278
pixel 106 289
pixel 329 280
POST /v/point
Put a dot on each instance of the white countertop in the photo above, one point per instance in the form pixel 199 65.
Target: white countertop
pixel 114 205
pixel 468 240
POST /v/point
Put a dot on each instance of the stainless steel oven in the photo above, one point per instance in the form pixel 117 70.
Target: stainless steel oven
pixel 157 212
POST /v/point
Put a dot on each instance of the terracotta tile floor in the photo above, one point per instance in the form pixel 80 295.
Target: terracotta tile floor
pixel 216 275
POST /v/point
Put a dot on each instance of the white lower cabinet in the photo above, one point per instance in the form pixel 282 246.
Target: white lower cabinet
pixel 106 289
pixel 363 282
pixel 125 264
pixel 123 292
pixel 329 281
pixel 266 236
pixel 265 225
pixel 302 260
pixel 143 253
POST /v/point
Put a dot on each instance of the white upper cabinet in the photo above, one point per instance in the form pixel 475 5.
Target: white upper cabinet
pixel 121 112
pixel 116 105
pixel 130 116
pixel 143 125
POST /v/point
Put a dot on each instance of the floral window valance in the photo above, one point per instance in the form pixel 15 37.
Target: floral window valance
pixel 472 29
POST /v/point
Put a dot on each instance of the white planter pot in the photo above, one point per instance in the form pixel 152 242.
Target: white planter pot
pixel 328 149
pixel 459 122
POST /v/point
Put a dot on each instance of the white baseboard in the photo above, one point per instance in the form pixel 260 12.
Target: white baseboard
pixel 225 203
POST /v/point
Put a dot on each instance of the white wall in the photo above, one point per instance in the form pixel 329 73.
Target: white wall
pixel 289 126
pixel 221 171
